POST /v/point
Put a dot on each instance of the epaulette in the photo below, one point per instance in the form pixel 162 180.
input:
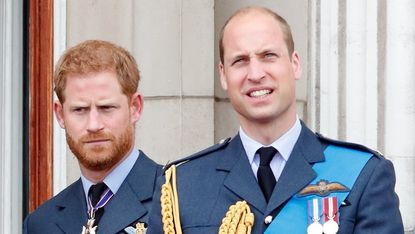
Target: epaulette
pixel 222 143
pixel 348 144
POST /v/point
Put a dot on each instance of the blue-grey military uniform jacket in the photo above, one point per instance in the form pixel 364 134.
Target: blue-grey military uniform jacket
pixel 216 178
pixel 67 211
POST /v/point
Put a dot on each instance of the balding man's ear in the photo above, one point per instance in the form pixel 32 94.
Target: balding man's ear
pixel 296 64
pixel 222 76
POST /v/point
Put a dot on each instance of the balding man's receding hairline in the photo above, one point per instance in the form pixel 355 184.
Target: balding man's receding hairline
pixel 286 30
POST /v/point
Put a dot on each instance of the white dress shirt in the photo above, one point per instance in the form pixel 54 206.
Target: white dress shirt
pixel 284 145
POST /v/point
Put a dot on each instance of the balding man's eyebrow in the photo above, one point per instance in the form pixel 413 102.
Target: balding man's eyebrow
pixel 237 58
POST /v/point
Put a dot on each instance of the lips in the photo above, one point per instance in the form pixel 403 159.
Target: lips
pixel 96 141
pixel 259 93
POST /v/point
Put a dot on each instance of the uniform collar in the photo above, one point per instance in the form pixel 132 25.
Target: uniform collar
pixel 117 176
pixel 284 144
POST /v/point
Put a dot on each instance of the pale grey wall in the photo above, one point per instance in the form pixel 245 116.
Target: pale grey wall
pixel 11 116
pixel 175 44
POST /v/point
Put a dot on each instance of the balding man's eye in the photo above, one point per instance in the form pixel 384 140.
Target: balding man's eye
pixel 238 61
pixel 79 110
pixel 271 55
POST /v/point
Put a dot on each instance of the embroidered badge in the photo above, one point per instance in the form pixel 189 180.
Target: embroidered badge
pixel 140 228
pixel 323 188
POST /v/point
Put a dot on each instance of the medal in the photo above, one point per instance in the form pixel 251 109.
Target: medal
pixel 89 228
pixel 105 198
pixel 315 228
pixel 314 214
pixel 331 225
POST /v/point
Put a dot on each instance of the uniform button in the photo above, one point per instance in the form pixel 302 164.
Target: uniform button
pixel 268 219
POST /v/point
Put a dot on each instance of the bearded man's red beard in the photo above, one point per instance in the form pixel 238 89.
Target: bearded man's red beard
pixel 98 158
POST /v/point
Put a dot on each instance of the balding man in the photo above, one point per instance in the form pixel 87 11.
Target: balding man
pixel 275 175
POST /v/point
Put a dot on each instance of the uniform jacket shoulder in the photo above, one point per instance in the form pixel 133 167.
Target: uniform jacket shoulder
pixel 328 141
pixel 222 144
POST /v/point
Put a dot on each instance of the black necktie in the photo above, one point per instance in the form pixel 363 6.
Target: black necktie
pixel 95 193
pixel 266 178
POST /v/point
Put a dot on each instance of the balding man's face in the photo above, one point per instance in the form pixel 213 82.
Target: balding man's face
pixel 258 72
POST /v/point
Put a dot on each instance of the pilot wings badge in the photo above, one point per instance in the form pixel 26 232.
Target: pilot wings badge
pixel 323 188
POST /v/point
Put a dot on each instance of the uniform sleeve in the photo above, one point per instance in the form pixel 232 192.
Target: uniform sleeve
pixel 25 225
pixel 378 210
pixel 155 225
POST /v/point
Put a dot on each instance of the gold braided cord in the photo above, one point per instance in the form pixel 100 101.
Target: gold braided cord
pixel 238 220
pixel 170 203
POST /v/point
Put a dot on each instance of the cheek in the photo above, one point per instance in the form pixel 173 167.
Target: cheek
pixel 235 80
pixel 282 75
pixel 117 123
pixel 287 88
pixel 74 129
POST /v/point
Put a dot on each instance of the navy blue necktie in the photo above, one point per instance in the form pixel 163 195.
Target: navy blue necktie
pixel 95 193
pixel 266 178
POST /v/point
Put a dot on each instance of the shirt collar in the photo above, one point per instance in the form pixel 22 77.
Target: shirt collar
pixel 117 176
pixel 284 144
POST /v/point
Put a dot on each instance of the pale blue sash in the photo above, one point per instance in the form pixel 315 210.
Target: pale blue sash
pixel 342 165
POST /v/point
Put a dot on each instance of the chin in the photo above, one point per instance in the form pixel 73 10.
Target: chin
pixel 100 165
pixel 98 161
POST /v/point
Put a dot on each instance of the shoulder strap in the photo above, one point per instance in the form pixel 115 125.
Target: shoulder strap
pixel 329 141
pixel 220 145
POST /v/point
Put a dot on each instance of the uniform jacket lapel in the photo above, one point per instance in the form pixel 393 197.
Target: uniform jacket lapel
pixel 72 211
pixel 298 171
pixel 126 207
pixel 241 179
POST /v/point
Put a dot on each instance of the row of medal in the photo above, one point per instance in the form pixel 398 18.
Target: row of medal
pixel 323 216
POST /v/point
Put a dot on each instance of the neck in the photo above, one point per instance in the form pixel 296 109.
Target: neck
pixel 93 175
pixel 268 132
